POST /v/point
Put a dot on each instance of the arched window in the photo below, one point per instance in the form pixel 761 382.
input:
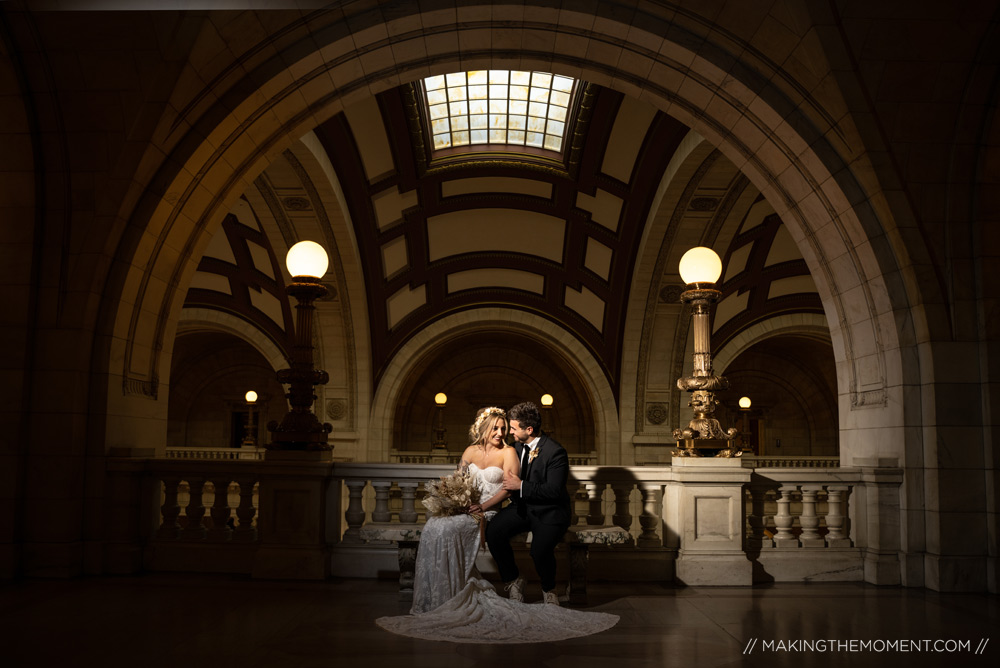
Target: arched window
pixel 498 107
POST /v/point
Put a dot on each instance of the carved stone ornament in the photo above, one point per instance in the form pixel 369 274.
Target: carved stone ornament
pixel 336 409
pixel 297 203
pixel 704 203
pixel 656 413
pixel 671 294
pixel 331 293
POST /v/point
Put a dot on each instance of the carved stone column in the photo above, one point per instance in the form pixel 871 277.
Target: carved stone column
pixel 245 532
pixel 355 514
pixel 809 520
pixel 381 512
pixel 595 504
pixel 783 519
pixel 195 530
pixel 220 512
pixel 408 514
pixel 623 493
pixel 169 529
pixel 649 519
pixel 835 516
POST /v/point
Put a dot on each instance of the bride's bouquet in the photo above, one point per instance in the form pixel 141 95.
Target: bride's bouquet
pixel 452 494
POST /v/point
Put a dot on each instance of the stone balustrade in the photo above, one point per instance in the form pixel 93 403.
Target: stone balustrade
pixel 800 523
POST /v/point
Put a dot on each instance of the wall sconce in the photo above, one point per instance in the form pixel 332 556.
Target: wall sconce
pixel 700 268
pixel 441 400
pixel 299 429
pixel 250 440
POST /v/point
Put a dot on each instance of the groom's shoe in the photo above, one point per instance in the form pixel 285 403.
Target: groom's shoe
pixel 515 590
pixel 550 597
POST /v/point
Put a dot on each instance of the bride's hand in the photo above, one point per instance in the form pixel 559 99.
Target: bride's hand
pixel 475 509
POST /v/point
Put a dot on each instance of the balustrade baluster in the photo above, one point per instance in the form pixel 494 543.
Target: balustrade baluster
pixel 573 489
pixel 809 520
pixel 195 530
pixel 623 494
pixel 220 512
pixel 756 518
pixel 408 514
pixel 783 518
pixel 169 529
pixel 381 512
pixel 836 515
pixel 649 519
pixel 246 532
pixel 595 503
pixel 355 514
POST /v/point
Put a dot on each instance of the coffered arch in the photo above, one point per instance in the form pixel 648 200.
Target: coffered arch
pixel 773 135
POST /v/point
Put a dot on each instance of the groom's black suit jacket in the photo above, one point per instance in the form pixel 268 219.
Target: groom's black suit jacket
pixel 543 494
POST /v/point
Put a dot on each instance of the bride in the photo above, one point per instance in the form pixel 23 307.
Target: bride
pixel 451 601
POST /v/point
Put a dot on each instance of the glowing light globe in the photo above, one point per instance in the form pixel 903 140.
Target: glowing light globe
pixel 307 258
pixel 251 397
pixel 700 265
pixel 744 402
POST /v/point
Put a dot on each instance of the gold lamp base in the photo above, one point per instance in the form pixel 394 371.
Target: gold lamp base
pixel 707 447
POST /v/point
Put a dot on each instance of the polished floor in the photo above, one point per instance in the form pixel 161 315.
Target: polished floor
pixel 188 621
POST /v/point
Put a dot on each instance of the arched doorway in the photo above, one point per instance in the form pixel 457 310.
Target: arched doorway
pixel 490 369
pixel 211 373
pixel 791 380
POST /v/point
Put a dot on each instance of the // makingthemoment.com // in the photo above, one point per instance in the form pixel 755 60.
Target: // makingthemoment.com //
pixel 822 645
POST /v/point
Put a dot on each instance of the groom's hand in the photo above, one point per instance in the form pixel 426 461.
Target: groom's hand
pixel 511 482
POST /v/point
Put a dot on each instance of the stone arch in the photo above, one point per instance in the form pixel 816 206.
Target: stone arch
pixel 563 345
pixel 802 324
pixel 210 320
pixel 772 138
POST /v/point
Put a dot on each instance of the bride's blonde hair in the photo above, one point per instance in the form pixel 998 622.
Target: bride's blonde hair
pixel 483 424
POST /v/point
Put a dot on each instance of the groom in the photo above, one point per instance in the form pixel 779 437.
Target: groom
pixel 540 504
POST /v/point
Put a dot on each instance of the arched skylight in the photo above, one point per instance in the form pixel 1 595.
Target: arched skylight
pixel 498 107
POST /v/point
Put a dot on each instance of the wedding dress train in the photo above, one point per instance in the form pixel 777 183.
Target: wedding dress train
pixel 452 602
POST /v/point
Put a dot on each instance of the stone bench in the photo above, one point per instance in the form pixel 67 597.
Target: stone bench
pixel 578 539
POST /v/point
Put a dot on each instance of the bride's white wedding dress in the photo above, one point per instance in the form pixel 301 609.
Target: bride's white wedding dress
pixel 452 602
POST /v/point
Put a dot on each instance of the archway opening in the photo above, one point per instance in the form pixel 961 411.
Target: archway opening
pixel 491 369
pixel 791 380
pixel 210 375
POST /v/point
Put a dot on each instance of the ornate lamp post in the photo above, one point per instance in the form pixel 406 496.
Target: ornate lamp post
pixel 250 439
pixel 441 400
pixel 299 429
pixel 547 400
pixel 700 268
pixel 745 412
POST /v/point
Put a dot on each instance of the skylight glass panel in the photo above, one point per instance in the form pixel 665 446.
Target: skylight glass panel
pixel 498 107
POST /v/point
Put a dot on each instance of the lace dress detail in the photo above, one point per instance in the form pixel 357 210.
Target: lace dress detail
pixel 448 548
pixel 452 602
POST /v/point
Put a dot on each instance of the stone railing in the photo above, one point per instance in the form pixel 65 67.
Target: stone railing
pixel 790 462
pixel 602 496
pixel 172 508
pixel 453 457
pixel 188 452
pixel 799 523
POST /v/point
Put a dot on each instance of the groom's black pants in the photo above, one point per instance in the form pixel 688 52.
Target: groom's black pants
pixel 544 538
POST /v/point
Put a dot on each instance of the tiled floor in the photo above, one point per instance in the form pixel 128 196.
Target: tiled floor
pixel 187 621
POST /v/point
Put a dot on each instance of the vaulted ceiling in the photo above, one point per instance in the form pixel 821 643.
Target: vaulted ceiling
pixel 553 234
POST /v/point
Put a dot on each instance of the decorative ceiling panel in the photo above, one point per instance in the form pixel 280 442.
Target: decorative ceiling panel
pixel 487 229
